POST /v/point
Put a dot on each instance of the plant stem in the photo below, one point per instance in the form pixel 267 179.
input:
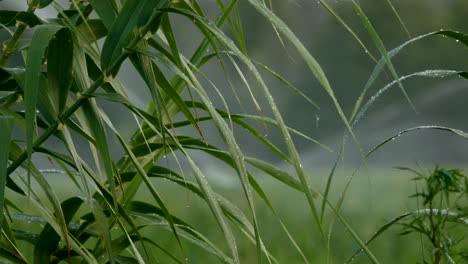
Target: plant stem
pixel 10 48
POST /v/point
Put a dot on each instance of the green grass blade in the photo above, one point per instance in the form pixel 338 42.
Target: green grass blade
pixel 277 173
pixel 131 18
pixel 142 173
pixel 94 121
pixel 378 233
pixel 363 246
pixel 347 27
pixel 59 68
pixel 399 18
pixel 6 127
pixel 381 47
pixel 427 73
pixel 457 132
pixel 288 84
pixel 215 208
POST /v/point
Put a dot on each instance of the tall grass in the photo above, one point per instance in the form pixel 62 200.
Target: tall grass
pixel 52 101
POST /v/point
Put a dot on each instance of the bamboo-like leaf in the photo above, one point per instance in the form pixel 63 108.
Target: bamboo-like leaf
pixel 93 30
pixel 106 11
pixel 36 51
pixel 6 127
pixel 95 123
pixel 142 173
pixel 131 18
pixel 9 18
pixel 44 3
pixel 49 239
pixel 59 68
pixel 57 218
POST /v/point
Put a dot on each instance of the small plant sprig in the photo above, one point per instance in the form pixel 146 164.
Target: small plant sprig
pixel 444 202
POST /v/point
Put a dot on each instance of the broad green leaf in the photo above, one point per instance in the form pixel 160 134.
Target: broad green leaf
pixel 9 18
pixel 44 3
pixel 48 240
pixel 39 43
pixel 106 11
pixel 133 16
pixel 6 127
pixel 92 30
pixel 59 68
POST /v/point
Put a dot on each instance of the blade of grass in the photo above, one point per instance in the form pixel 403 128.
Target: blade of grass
pixel 6 127
pixel 133 16
pixel 59 68
pixel 381 47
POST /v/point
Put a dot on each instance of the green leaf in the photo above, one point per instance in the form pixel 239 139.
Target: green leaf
pixel 59 68
pixel 277 173
pixel 93 117
pixel 39 42
pixel 6 127
pixel 381 47
pixel 457 132
pixel 92 30
pixel 44 3
pixel 133 16
pixel 363 246
pixel 9 18
pixel 49 239
pixel 106 11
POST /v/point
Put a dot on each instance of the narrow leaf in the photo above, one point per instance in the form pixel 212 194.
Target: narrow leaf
pixel 6 127
pixel 59 68
pixel 132 17
pixel 36 51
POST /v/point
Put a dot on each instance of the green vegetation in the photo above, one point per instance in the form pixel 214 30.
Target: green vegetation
pixel 151 201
